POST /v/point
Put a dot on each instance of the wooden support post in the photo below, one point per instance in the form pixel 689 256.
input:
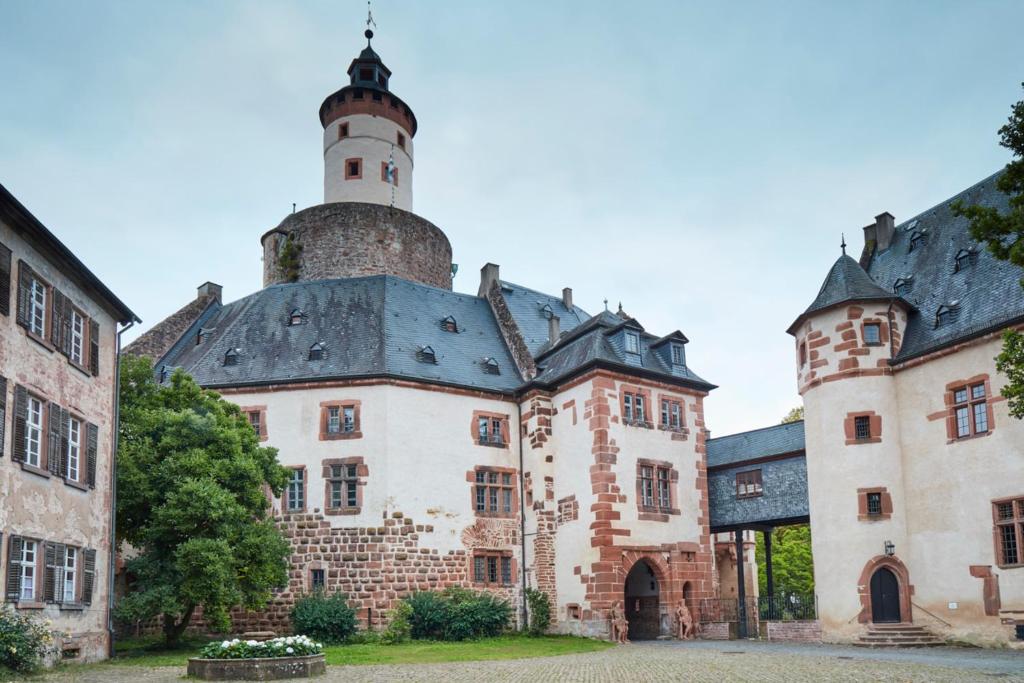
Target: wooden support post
pixel 741 588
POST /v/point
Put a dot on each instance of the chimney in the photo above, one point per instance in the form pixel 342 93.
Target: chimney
pixel 554 329
pixel 567 298
pixel 885 226
pixel 210 288
pixel 488 276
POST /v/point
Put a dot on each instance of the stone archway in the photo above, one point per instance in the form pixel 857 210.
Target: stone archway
pixel 894 569
pixel 642 593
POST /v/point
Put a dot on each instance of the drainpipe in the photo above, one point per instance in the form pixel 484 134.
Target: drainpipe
pixel 113 491
pixel 522 513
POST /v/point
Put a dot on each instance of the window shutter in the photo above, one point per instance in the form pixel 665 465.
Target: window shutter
pixel 94 347
pixel 24 291
pixel 88 574
pixel 65 329
pixel 53 439
pixel 5 280
pixel 64 417
pixel 57 321
pixel 20 423
pixel 3 414
pixel 50 573
pixel 92 445
pixel 14 569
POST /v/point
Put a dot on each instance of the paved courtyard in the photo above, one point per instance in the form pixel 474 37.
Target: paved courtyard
pixel 672 661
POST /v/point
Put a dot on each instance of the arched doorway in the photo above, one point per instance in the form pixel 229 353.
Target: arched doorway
pixel 642 598
pixel 885 597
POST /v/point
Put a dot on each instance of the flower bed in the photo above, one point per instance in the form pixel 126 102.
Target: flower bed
pixel 252 660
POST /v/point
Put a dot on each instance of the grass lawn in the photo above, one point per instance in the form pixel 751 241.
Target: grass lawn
pixel 150 652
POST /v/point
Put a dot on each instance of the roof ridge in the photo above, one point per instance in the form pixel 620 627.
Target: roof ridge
pixel 759 429
pixel 949 200
pixel 249 300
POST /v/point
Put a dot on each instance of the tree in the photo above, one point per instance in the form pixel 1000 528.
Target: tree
pixel 192 481
pixel 792 563
pixel 1003 234
pixel 794 415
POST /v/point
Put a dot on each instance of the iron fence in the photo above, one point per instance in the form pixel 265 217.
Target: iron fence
pixel 787 607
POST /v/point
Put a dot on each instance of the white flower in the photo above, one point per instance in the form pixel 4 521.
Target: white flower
pixel 226 643
pixel 252 643
pixel 289 650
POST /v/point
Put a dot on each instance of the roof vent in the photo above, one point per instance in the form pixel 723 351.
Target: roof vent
pixel 916 239
pixel 426 354
pixel 231 357
pixel 317 351
pixel 547 311
pixel 903 285
pixel 947 314
pixel 449 325
pixel 491 366
pixel 296 317
pixel 964 259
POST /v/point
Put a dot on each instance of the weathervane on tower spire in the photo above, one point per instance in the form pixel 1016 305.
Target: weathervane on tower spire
pixel 843 244
pixel 369 21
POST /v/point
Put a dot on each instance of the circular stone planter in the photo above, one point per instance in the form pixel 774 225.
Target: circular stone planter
pixel 259 669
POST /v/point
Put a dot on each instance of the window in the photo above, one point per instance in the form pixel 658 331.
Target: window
pixel 492 568
pixel 664 495
pixel 29 553
pixel 296 317
pixel 970 410
pixel 343 131
pixel 254 420
pixel 77 350
pixel 489 430
pixel 334 420
pixel 944 315
pixel 317 579
pixel 671 414
pixel 677 355
pixel 389 172
pixel 862 427
pixel 344 486
pixel 426 355
pixel 366 74
pixel 647 486
pixel 449 325
pixel 492 493
pixel 316 351
pixel 34 433
pixel 70 569
pixel 633 409
pixel 803 354
pixel 296 491
pixel 37 308
pixel 873 334
pixel 916 240
pixel 231 357
pixel 902 286
pixel 401 140
pixel 748 484
pixel 339 420
pixel 1009 520
pixel 73 456
pixel 491 366
pixel 874 503
pixel 353 169
pixel 964 258
pixel 632 342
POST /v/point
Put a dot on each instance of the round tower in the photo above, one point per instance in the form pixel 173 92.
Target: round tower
pixel 368 132
pixel 844 341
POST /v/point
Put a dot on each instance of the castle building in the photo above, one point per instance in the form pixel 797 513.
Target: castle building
pixel 58 368
pixel 496 439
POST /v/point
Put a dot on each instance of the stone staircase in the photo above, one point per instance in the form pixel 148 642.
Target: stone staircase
pixel 898 635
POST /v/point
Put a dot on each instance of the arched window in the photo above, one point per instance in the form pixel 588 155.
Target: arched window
pixel 317 351
pixel 231 357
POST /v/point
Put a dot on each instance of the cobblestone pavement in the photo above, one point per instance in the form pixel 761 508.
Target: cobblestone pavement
pixel 670 661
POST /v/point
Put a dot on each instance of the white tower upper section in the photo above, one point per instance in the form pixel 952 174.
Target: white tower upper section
pixel 368 131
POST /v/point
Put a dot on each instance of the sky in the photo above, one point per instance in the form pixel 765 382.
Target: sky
pixel 697 162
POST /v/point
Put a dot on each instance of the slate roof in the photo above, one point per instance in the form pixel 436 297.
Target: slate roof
pixel 985 295
pixel 759 443
pixel 526 306
pixel 783 498
pixel 845 282
pixel 370 326
pixel 158 340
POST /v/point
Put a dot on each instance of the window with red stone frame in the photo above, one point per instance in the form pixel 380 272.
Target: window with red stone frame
pixel 635 406
pixel 494 492
pixel 656 483
pixel 671 414
pixel 257 416
pixel 353 168
pixel 340 420
pixel 970 413
pixel 874 504
pixel 862 427
pixel 344 479
pixel 492 568
pixel 1008 515
pixel 295 492
pixel 490 429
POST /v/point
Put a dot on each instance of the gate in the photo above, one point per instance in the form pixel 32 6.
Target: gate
pixel 728 618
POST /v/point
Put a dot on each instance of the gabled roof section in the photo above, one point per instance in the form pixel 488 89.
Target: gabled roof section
pixel 735 449
pixel 527 309
pixel 846 282
pixel 676 336
pixel 158 340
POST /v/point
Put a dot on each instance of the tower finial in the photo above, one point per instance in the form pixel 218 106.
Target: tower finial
pixel 843 245
pixel 369 21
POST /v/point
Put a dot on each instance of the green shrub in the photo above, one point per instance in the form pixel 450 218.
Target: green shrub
pixel 540 611
pixel 323 617
pixel 457 614
pixel 291 646
pixel 428 611
pixel 399 627
pixel 24 641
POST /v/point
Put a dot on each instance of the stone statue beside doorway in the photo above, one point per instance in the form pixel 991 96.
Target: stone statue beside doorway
pixel 620 627
pixel 684 622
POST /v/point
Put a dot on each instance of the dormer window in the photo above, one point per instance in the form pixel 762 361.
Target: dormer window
pixel 163 374
pixel 903 286
pixel 426 355
pixel 547 311
pixel 677 355
pixel 201 336
pixel 296 317
pixel 944 315
pixel 316 351
pixel 231 357
pixel 632 342
pixel 449 325
pixel 491 366
pixel 964 258
pixel 916 240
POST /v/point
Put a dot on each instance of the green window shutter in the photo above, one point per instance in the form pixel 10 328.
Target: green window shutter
pixel 53 439
pixel 94 347
pixel 50 572
pixel 3 414
pixel 88 574
pixel 14 568
pixel 92 446
pixel 5 280
pixel 57 317
pixel 24 292
pixel 20 423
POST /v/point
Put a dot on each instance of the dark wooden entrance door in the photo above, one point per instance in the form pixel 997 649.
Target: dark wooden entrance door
pixel 885 597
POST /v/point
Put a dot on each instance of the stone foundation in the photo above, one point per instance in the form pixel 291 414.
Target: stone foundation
pixel 267 669
pixel 793 631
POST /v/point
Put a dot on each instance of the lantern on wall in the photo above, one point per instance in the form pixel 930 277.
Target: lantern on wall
pixel 890 549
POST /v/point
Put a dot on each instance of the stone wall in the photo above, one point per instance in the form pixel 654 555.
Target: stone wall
pixel 793 631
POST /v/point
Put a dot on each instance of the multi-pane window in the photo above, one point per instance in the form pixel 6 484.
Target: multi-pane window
pixel 492 568
pixel 633 409
pixel 296 492
pixel 34 432
pixel 874 503
pixel 803 354
pixel 37 308
pixel 317 579
pixel 862 427
pixel 344 486
pixel 74 452
pixel 70 570
pixel 632 342
pixel 671 414
pixel 970 408
pixel 489 430
pixel 872 334
pixel 341 419
pixel 748 484
pixel 29 553
pixel 647 486
pixel 654 487
pixel 677 354
pixel 334 420
pixel 492 492
pixel 1009 519
pixel 254 420
pixel 664 496
pixel 77 351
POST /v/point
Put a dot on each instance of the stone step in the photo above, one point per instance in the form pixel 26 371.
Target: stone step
pixel 898 635
pixel 921 643
pixel 896 639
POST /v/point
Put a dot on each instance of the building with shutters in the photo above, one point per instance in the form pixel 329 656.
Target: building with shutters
pixel 58 350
